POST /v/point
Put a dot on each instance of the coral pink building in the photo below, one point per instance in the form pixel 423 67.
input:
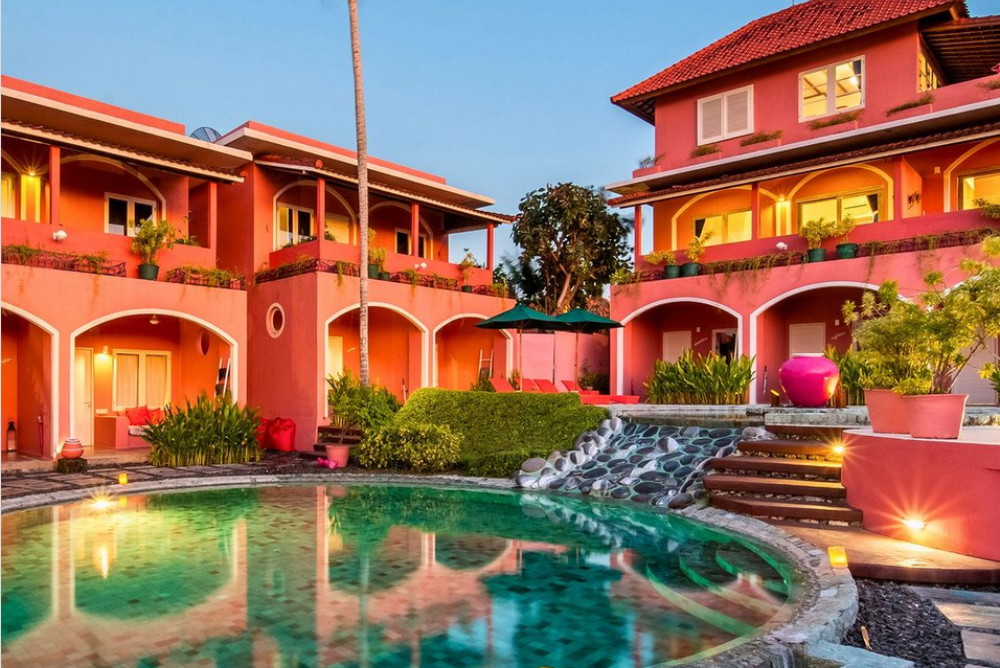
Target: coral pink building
pixel 884 110
pixel 84 339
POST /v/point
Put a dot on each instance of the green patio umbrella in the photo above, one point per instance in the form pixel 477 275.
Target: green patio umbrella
pixel 581 321
pixel 521 318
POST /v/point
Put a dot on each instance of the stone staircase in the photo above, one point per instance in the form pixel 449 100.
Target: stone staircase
pixel 794 477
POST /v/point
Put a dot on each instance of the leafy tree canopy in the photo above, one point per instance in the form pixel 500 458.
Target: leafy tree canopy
pixel 571 243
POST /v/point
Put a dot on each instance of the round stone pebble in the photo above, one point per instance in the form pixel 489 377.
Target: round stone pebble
pixel 533 465
pixel 558 483
pixel 620 492
pixel 595 473
pixel 670 466
pixel 681 500
pixel 653 476
pixel 683 471
pixel 641 498
pixel 647 488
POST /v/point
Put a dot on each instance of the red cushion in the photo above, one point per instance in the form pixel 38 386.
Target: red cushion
pixel 155 415
pixel 262 431
pixel 138 415
pixel 281 435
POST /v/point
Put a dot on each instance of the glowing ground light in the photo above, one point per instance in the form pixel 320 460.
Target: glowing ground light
pixel 123 478
pixel 913 523
pixel 838 556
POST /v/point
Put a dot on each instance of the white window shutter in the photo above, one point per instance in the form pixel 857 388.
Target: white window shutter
pixel 737 112
pixel 710 120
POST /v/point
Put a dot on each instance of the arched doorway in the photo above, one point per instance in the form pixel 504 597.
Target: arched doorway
pixel 396 348
pixel 28 382
pixel 664 331
pixel 463 352
pixel 140 360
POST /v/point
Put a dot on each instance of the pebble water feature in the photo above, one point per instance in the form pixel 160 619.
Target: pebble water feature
pixel 653 464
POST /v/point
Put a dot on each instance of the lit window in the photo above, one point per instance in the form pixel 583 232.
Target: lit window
pixel 832 89
pixel 927 76
pixel 980 186
pixel 725 116
pixel 7 197
pixel 295 225
pixel 337 228
pixel 864 207
pixel 122 214
pixel 724 228
pixel 141 378
pixel 403 243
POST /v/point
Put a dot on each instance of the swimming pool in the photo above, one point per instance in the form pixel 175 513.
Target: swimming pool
pixel 374 575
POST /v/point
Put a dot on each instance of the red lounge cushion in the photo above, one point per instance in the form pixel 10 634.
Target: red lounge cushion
pixel 155 415
pixel 137 416
pixel 281 435
pixel 262 432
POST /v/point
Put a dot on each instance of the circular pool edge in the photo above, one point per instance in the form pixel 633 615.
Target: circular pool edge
pixel 825 605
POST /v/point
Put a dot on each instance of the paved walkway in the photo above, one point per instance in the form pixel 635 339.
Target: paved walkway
pixel 978 615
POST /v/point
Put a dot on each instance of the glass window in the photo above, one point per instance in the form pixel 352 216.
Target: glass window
pixel 7 197
pixel 863 207
pixel 927 76
pixel 833 88
pixel 403 243
pixel 294 226
pixel 980 186
pixel 125 213
pixel 142 378
pixel 338 228
pixel 725 228
pixel 117 216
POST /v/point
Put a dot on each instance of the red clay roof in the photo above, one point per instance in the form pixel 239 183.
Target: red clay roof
pixel 784 31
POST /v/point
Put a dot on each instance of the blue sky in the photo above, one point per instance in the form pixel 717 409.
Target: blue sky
pixel 498 97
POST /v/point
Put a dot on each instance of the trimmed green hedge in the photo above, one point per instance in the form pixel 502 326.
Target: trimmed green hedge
pixel 500 430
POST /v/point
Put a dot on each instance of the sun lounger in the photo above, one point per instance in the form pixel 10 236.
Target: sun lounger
pixel 501 385
pixel 546 386
pixel 528 385
pixel 571 386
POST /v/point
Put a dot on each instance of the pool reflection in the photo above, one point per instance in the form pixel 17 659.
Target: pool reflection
pixel 372 576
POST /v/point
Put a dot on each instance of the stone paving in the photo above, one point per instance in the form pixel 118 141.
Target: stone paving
pixel 978 615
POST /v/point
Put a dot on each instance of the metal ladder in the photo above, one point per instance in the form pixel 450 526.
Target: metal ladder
pixel 222 377
pixel 485 363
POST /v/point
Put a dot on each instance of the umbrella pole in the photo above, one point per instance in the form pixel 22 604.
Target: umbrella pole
pixel 576 359
pixel 520 359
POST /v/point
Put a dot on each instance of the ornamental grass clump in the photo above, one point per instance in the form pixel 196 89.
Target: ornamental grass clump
pixel 355 405
pixel 701 379
pixel 209 431
pixel 855 374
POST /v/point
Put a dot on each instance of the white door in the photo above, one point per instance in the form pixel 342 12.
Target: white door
pixel 807 339
pixel 334 356
pixel 980 390
pixel 83 395
pixel 675 343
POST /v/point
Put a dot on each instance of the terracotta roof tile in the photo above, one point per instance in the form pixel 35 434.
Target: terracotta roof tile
pixel 783 31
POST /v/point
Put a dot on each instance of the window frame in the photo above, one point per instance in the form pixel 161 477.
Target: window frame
pixel 702 140
pixel 141 378
pixel 130 202
pixel 422 236
pixel 924 60
pixel 11 204
pixel 297 238
pixel 973 173
pixel 831 101
pixel 725 224
pixel 839 196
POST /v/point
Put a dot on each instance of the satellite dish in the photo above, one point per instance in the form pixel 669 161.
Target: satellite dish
pixel 206 133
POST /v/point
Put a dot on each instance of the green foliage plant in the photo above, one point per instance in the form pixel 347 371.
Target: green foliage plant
pixel 925 99
pixel 212 276
pixel 987 208
pixel 855 374
pixel 424 448
pixel 660 258
pixel 466 266
pixel 706 149
pixel 151 238
pixel 209 431
pixel 842 230
pixel 376 254
pixel 815 232
pixel 355 405
pixel 696 248
pixel 761 137
pixel 701 379
pixel 837 119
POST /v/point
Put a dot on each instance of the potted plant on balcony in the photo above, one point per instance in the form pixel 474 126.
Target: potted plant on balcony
pixel 376 257
pixel 842 230
pixel 150 238
pixel 465 267
pixel 815 232
pixel 695 251
pixel 665 259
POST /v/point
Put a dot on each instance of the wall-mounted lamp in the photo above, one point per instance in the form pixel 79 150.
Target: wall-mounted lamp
pixel 59 235
pixel 914 523
pixel 420 265
pixel 154 320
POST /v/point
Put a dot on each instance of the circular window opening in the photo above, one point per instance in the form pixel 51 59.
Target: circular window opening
pixel 204 343
pixel 275 320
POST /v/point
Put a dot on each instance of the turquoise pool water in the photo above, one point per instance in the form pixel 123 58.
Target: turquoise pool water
pixel 373 576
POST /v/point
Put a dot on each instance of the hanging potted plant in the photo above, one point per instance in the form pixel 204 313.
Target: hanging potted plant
pixel 665 259
pixel 465 267
pixel 150 238
pixel 694 253
pixel 842 230
pixel 376 256
pixel 815 232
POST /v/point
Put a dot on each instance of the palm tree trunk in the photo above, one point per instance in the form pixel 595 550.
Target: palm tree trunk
pixel 359 114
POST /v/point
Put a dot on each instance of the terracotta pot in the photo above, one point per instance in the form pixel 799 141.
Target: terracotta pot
pixel 886 412
pixel 935 415
pixel 809 380
pixel 72 449
pixel 338 455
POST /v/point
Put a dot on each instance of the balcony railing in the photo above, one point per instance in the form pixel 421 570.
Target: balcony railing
pixel 28 256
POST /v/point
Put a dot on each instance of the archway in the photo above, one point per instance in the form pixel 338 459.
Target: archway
pixel 462 352
pixel 664 330
pixel 806 320
pixel 30 377
pixel 397 344
pixel 138 359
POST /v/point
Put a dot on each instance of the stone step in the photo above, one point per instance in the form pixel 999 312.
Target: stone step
pixel 780 446
pixel 803 430
pixel 778 465
pixel 788 509
pixel 721 482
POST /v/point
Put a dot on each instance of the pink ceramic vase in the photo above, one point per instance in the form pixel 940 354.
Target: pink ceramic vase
pixel 886 412
pixel 935 415
pixel 72 449
pixel 809 380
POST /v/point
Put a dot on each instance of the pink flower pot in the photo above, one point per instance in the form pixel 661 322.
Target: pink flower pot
pixel 338 454
pixel 809 380
pixel 935 415
pixel 72 449
pixel 886 412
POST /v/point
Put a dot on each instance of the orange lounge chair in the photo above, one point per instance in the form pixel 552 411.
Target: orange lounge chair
pixel 546 386
pixel 528 385
pixel 501 385
pixel 571 386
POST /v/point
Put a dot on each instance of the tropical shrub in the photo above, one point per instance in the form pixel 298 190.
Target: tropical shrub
pixel 660 258
pixel 427 448
pixel 855 374
pixel 482 384
pixel 355 405
pixel 150 238
pixel 701 379
pixel 210 431
pixel 696 248
pixel 502 463
pixel 815 232
pixel 591 380
pixel 991 372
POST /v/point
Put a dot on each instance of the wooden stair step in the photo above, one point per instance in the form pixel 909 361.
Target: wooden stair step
pixel 816 431
pixel 759 507
pixel 777 465
pixel 790 486
pixel 780 446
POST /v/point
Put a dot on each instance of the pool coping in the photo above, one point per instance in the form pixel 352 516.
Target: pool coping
pixel 824 609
